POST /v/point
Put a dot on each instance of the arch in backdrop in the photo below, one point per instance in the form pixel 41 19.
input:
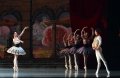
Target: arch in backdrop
pixel 10 22
pixel 42 19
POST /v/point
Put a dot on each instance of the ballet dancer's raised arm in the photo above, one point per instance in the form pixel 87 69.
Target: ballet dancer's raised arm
pixel 92 29
pixel 75 33
pixel 69 39
pixel 64 40
pixel 22 32
pixel 82 32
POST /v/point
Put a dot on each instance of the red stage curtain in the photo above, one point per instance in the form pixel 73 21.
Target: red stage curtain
pixel 88 13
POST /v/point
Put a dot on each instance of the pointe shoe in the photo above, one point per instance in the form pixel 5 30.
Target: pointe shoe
pixel 15 69
pixel 85 68
pixel 96 74
pixel 70 67
pixel 76 67
pixel 66 66
pixel 108 73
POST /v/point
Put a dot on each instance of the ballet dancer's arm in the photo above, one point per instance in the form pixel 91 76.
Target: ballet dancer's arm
pixel 91 37
pixel 69 38
pixel 22 32
pixel 64 40
pixel 21 41
pixel 82 32
pixel 75 34
pixel 76 31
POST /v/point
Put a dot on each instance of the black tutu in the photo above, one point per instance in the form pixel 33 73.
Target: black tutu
pixel 85 50
pixel 64 51
pixel 73 49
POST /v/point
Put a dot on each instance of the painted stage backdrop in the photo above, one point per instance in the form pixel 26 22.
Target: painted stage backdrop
pixel 43 33
pixel 8 24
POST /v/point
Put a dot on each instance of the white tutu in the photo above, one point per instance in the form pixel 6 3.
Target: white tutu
pixel 16 50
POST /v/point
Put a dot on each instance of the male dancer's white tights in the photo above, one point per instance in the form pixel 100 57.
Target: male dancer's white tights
pixel 99 57
pixel 15 63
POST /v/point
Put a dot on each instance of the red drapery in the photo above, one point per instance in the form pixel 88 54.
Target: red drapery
pixel 88 13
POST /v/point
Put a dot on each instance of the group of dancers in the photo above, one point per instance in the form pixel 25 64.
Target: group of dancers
pixel 83 44
pixel 74 43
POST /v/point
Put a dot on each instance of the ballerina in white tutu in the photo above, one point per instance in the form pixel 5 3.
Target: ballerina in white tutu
pixel 16 49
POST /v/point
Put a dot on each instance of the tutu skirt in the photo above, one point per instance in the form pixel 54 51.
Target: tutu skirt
pixel 85 50
pixel 73 50
pixel 16 50
pixel 64 51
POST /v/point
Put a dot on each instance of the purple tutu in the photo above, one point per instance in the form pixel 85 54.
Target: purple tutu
pixel 73 50
pixel 64 51
pixel 85 50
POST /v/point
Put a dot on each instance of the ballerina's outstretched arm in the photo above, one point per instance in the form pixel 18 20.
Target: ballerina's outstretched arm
pixel 22 32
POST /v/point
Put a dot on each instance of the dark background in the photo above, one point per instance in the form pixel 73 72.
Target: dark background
pixel 113 30
pixel 91 13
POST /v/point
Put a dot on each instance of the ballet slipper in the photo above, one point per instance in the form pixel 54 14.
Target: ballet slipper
pixel 85 68
pixel 66 66
pixel 70 67
pixel 15 69
pixel 76 67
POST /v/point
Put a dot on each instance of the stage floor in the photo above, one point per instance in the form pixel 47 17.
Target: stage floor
pixel 52 72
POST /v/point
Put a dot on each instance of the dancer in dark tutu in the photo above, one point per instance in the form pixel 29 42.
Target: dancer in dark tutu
pixel 16 49
pixel 86 49
pixel 77 44
pixel 66 50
